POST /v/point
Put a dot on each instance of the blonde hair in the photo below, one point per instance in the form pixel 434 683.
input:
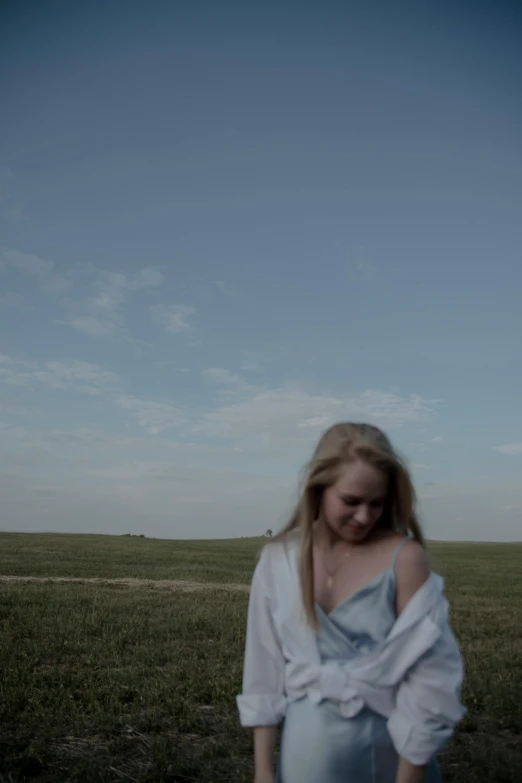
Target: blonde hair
pixel 341 444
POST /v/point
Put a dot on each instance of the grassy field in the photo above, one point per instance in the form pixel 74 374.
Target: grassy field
pixel 136 681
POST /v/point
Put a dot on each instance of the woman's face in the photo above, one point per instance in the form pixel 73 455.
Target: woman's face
pixel 354 504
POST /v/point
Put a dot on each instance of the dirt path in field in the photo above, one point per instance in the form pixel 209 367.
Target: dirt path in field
pixel 148 584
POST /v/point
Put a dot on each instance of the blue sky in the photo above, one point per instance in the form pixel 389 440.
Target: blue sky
pixel 225 226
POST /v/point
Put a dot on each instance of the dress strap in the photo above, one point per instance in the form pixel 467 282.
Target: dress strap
pixel 397 550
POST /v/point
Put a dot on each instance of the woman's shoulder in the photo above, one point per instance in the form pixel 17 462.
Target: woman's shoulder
pixel 409 553
pixel 279 544
pixel 412 569
pixel 402 549
pixel 275 557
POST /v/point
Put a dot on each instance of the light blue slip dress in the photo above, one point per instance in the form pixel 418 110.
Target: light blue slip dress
pixel 319 745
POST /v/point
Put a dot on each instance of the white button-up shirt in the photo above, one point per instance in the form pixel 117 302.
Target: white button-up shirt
pixel 413 677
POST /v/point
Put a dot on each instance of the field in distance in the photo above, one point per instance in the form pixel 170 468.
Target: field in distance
pixel 127 668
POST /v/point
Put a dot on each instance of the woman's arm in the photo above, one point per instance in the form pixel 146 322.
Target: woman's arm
pixel 427 706
pixel 262 704
pixel 410 773
pixel 265 738
pixel 412 570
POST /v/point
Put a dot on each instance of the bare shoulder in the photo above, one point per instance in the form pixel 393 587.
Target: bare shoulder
pixel 412 556
pixel 388 543
pixel 411 571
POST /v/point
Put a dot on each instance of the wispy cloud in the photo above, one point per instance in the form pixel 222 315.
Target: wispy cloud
pixel 135 470
pixel 155 417
pixel 254 415
pixel 170 364
pixel 173 318
pixel 227 289
pixel 86 377
pixel 10 406
pixel 30 264
pixel 364 270
pixel 101 314
pixel 513 508
pixel 256 361
pixel 81 376
pixel 283 414
pixel 313 423
pixel 251 366
pixel 83 436
pixel 437 439
pixel 14 371
pixel 221 377
pixel 248 417
pixel 229 384
pixel 509 448
pixel 15 301
pixel 419 445
pixel 38 268
pixel 145 278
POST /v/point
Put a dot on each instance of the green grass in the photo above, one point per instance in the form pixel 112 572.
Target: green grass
pixel 127 556
pixel 104 682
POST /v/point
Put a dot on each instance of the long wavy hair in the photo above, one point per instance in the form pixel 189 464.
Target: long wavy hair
pixel 341 444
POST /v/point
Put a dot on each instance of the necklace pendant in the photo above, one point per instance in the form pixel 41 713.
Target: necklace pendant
pixel 329 582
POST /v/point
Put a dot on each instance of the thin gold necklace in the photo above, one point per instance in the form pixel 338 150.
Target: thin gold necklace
pixel 331 574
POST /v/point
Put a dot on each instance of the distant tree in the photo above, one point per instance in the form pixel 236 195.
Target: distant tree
pixel 268 533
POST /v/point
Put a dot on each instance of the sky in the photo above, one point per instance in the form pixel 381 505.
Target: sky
pixel 225 226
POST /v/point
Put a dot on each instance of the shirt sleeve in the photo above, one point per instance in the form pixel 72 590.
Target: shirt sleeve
pixel 263 701
pixel 428 706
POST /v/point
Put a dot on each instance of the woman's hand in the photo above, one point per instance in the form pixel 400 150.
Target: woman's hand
pixel 266 777
pixel 408 773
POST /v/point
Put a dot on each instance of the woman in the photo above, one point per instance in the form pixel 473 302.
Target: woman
pixel 348 637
